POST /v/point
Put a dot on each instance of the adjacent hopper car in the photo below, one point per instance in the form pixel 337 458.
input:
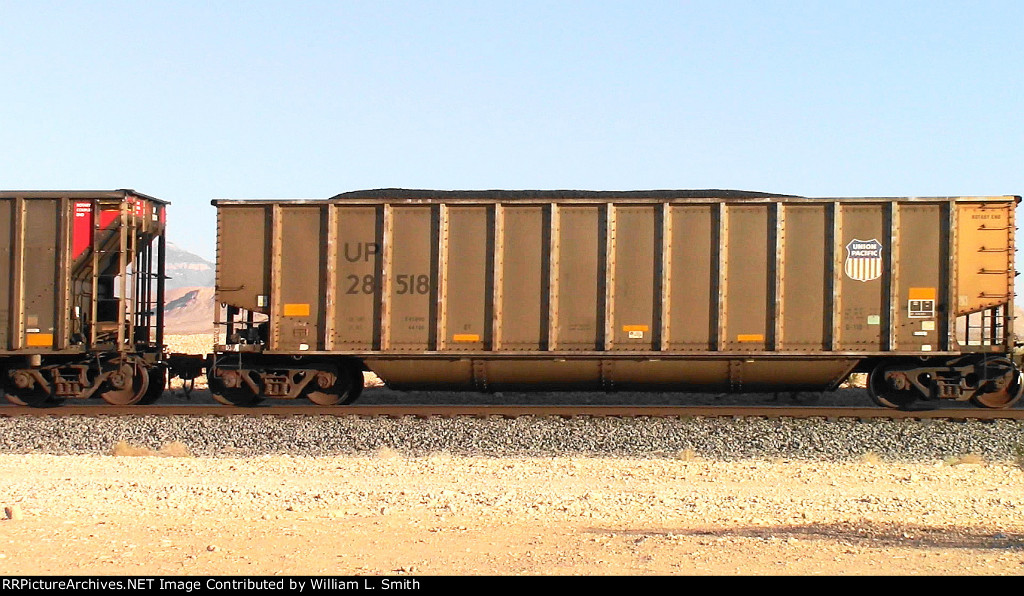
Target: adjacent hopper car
pixel 81 314
pixel 518 290
pixel 642 290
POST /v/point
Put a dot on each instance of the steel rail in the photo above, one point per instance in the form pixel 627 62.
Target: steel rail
pixel 483 411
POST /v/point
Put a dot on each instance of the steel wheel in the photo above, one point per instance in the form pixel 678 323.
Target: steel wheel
pixel 336 387
pixel 127 385
pixel 884 394
pixel 14 399
pixel 157 382
pixel 239 394
pixel 1004 390
pixel 35 397
pixel 21 389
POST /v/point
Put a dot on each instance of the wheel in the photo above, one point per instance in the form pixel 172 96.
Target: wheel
pixel 238 394
pixel 127 385
pixel 35 397
pixel 1004 389
pixel 884 394
pixel 10 396
pixel 336 387
pixel 21 389
pixel 157 383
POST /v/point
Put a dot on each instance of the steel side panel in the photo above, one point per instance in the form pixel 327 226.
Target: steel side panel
pixel 243 256
pixel 634 300
pixel 413 263
pixel 468 286
pixel 747 297
pixel 41 271
pixel 356 279
pixel 864 305
pixel 919 268
pixel 524 304
pixel 580 292
pixel 805 278
pixel 300 303
pixel 693 296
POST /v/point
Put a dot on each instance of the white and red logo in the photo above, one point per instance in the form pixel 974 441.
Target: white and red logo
pixel 864 259
pixel 81 229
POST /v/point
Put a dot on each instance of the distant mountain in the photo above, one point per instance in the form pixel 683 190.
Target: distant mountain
pixel 187 270
pixel 188 303
pixel 188 311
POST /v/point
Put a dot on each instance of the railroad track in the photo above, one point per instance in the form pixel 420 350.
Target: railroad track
pixel 483 411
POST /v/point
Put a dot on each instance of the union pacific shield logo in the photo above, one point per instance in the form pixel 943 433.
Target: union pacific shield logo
pixel 864 259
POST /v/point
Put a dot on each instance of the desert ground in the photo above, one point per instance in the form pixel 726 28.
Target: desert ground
pixel 139 511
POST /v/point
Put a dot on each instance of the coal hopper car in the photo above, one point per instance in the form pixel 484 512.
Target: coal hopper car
pixel 641 290
pixel 81 313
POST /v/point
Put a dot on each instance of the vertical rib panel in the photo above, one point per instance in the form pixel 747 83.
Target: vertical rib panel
pixel 723 274
pixel 497 272
pixel 387 250
pixel 892 274
pixel 440 338
pixel 778 308
pixel 609 276
pixel 276 310
pixel 835 298
pixel 665 277
pixel 554 247
pixel 330 212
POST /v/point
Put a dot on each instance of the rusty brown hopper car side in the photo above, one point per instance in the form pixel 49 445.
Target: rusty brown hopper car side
pixel 78 314
pixel 640 290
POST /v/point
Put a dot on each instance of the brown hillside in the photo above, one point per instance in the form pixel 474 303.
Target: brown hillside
pixel 188 310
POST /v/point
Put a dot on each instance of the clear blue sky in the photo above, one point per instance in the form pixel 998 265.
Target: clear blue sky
pixel 190 101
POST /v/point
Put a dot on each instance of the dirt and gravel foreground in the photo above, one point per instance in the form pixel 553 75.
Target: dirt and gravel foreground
pixel 136 511
pixel 390 514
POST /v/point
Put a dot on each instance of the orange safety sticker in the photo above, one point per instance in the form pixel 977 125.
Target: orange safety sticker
pixel 296 310
pixel 39 339
pixel 922 294
pixel 635 328
pixel 466 337
pixel 750 337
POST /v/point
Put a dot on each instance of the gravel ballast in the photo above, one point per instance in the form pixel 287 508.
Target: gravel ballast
pixel 710 438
